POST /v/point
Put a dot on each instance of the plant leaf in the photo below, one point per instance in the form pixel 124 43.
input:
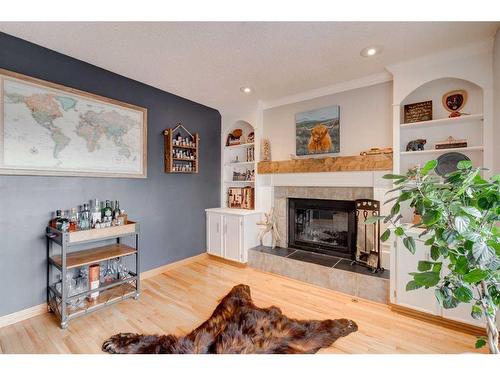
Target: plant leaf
pixel 475 276
pixel 464 164
pixel 424 265
pixel 385 236
pixel 473 211
pixel 412 285
pixel 461 224
pixel 373 219
pixel 429 166
pixel 463 294
pixel 480 342
pixel 426 279
pixel 435 253
pixel 399 231
pixel 409 243
pixel 394 176
pixel 482 253
pixel 431 217
pixel 476 312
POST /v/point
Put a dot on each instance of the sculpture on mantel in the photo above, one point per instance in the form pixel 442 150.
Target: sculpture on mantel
pixel 269 225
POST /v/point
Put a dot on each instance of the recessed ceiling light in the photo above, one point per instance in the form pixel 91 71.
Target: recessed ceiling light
pixel 246 90
pixel 371 51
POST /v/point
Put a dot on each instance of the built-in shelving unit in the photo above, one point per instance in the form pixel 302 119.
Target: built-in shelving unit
pixel 239 159
pixel 468 127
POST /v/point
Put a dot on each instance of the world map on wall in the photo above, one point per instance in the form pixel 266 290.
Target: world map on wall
pixel 55 130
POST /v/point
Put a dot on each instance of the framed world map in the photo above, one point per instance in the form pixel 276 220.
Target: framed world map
pixel 50 129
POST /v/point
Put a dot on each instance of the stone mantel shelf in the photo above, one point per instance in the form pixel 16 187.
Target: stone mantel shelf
pixel 381 162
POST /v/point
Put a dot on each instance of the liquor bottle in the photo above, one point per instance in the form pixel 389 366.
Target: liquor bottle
pixel 53 222
pixel 95 214
pixel 116 211
pixel 73 220
pixel 62 223
pixel 84 221
pixel 107 213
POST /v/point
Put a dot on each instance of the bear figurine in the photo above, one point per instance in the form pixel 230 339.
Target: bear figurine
pixel 416 145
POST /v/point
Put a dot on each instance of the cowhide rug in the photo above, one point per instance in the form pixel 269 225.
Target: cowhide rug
pixel 238 326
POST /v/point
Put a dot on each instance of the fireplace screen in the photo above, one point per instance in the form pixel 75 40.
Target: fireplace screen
pixel 329 227
pixel 326 226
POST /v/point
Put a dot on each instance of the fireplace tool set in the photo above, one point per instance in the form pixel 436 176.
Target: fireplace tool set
pixel 368 241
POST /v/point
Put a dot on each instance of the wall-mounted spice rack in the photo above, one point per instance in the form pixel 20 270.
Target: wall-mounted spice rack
pixel 181 150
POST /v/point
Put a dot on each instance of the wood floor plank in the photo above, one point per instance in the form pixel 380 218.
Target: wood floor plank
pixel 182 298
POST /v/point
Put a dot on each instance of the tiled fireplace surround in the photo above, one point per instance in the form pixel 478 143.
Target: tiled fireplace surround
pixel 322 270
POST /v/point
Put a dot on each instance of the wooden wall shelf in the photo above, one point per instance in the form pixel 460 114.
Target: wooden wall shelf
pixel 381 162
pixel 177 156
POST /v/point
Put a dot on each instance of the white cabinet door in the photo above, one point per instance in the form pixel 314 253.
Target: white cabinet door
pixel 406 262
pixel 233 239
pixel 214 234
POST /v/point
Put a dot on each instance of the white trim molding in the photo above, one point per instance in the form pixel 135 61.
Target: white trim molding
pixel 366 81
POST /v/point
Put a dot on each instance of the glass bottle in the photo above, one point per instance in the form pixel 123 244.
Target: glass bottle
pixel 73 220
pixel 95 213
pixel 84 222
pixel 62 222
pixel 116 211
pixel 107 213
pixel 53 222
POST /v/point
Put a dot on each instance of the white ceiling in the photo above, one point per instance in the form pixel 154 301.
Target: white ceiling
pixel 209 62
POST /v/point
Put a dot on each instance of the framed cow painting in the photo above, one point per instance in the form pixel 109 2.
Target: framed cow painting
pixel 318 131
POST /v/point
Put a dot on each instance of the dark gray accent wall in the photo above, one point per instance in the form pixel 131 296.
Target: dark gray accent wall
pixel 170 208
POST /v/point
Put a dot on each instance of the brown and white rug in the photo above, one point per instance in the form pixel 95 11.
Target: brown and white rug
pixel 238 326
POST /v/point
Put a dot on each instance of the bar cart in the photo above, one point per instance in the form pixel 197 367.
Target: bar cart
pixel 70 256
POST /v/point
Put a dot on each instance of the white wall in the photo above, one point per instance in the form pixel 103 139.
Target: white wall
pixel 365 120
pixel 496 118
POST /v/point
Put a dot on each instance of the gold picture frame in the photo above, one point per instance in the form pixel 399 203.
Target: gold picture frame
pixel 130 119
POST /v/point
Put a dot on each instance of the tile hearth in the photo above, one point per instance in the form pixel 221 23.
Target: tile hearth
pixel 322 270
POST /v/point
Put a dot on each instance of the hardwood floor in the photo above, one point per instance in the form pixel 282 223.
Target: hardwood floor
pixel 181 298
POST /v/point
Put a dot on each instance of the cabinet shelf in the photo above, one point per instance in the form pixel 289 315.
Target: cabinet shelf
pixel 443 150
pixel 94 255
pixel 235 164
pixel 172 163
pixel 443 121
pixel 234 147
pixel 238 182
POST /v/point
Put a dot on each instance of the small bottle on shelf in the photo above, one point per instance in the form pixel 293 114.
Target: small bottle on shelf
pixel 107 212
pixel 73 220
pixel 62 223
pixel 57 216
pixel 84 219
pixel 95 214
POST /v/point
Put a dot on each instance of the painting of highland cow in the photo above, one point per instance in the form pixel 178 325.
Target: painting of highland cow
pixel 318 131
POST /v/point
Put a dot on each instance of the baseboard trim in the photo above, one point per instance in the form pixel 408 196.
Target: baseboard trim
pixel 19 316
pixel 33 311
pixel 227 261
pixel 438 320
pixel 159 270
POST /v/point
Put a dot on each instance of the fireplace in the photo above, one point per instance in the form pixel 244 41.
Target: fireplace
pixel 323 226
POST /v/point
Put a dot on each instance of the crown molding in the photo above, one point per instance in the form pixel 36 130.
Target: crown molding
pixel 366 81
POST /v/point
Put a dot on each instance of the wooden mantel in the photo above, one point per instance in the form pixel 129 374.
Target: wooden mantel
pixel 382 162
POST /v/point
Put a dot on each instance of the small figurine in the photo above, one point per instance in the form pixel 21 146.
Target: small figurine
pixel 269 225
pixel 416 145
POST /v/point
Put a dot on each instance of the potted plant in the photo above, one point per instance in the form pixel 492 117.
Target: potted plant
pixel 460 216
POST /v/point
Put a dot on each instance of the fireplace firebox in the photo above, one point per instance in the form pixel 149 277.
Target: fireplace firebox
pixel 322 226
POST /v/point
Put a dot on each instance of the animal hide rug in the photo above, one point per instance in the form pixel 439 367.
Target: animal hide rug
pixel 238 326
